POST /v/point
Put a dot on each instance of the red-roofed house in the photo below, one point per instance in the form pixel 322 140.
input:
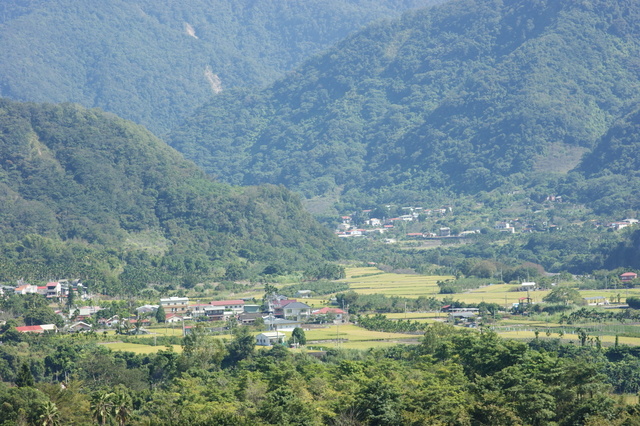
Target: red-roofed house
pixel 30 329
pixel 26 289
pixel 37 328
pixel 171 318
pixel 109 322
pixel 54 289
pixel 338 314
pixel 628 276
pixel 142 321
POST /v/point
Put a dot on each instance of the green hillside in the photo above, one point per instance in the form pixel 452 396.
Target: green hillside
pixel 86 194
pixel 155 62
pixel 608 179
pixel 464 97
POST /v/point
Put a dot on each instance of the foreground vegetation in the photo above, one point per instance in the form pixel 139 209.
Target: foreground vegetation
pixel 452 377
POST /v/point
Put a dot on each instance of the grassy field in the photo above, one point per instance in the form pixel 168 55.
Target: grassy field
pixel 139 349
pixel 344 336
pixel 353 333
pixel 362 345
pixel 370 280
pixel 416 315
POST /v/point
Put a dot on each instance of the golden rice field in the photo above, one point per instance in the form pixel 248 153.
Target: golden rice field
pixel 139 349
pixel 343 336
pixel 370 280
pixel 353 333
pixel 416 315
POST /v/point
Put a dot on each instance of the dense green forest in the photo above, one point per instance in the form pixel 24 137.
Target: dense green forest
pixel 454 377
pixel 154 62
pixel 608 179
pixel 464 97
pixel 88 195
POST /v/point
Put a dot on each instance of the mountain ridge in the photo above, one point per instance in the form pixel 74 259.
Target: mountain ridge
pixel 136 59
pixel 459 97
pixel 107 195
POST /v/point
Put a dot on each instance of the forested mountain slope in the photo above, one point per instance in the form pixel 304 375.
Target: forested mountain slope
pixel 608 178
pixel 155 61
pixel 466 96
pixel 86 194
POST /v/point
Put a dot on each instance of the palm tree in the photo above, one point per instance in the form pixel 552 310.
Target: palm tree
pixel 49 415
pixel 101 406
pixel 121 406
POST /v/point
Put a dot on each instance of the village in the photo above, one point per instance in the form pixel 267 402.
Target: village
pixel 278 313
pixel 431 224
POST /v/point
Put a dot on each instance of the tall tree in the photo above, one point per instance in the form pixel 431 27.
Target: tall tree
pixel 160 314
pixel 25 378
pixel 241 347
pixel 71 300
pixel 101 407
pixel 298 336
pixel 564 295
pixel 49 415
pixel 122 406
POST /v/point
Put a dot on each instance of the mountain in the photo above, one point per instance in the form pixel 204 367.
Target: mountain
pixel 86 194
pixel 463 97
pixel 154 62
pixel 608 178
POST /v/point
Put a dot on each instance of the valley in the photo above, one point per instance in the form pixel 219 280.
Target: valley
pixel 367 212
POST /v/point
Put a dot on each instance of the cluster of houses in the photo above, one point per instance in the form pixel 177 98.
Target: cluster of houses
pixel 515 225
pixel 622 224
pixel 52 290
pixel 348 228
pixel 282 313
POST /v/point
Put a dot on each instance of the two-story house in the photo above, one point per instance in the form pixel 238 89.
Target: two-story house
pixel 297 310
pixel 175 305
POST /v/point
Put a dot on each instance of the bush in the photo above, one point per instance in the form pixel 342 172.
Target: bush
pixel 633 302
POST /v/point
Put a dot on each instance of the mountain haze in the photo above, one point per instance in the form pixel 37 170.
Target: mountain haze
pixel 155 61
pixel 466 96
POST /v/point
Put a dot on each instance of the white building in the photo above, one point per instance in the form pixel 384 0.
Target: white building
pixel 175 305
pixel 269 338
pixel 26 289
pixel 235 306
